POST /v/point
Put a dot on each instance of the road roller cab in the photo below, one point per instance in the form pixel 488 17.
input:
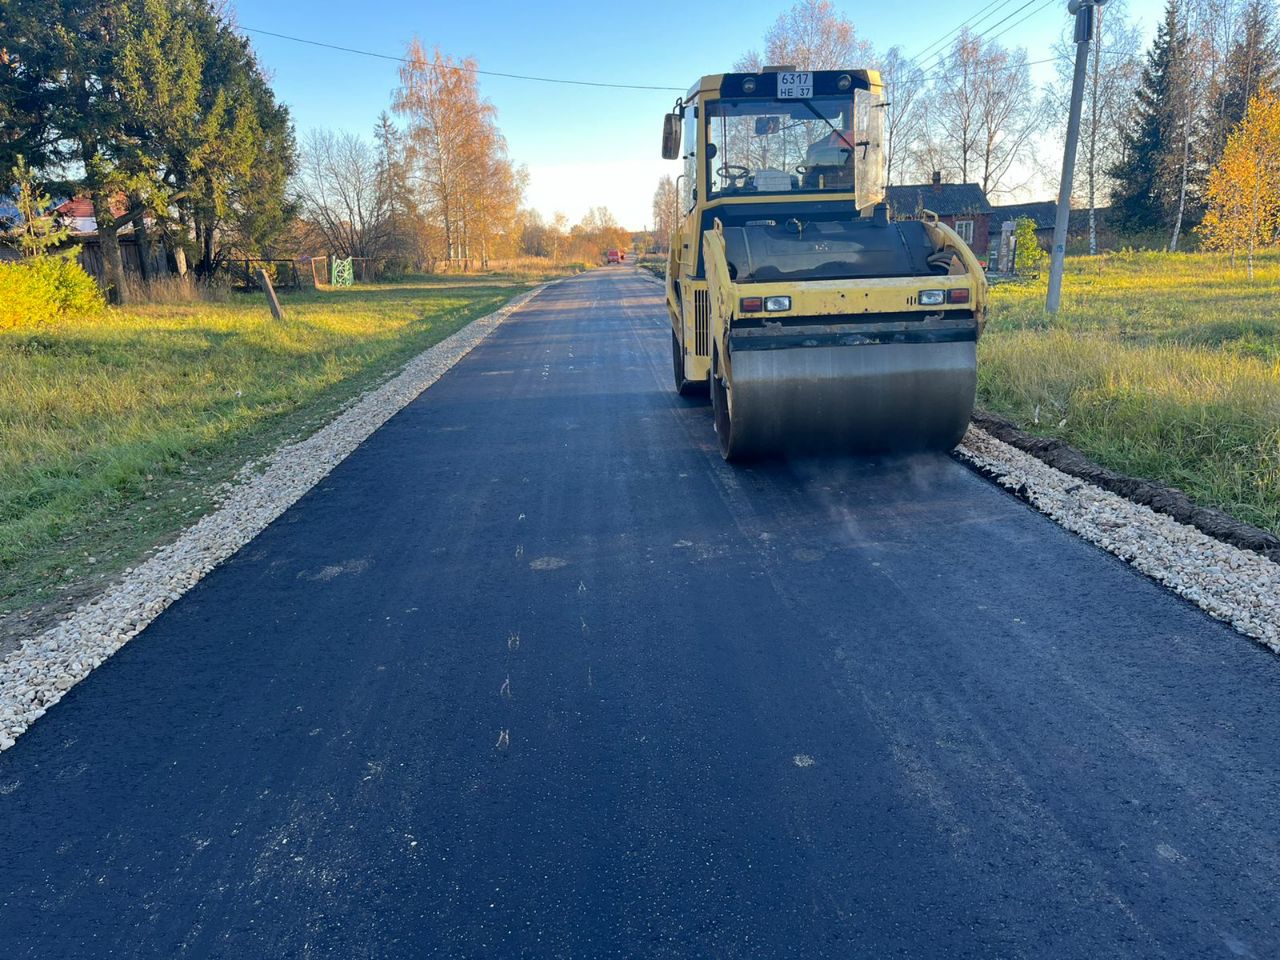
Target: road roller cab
pixel 817 320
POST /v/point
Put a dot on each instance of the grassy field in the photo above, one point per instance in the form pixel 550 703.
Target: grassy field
pixel 1163 366
pixel 117 429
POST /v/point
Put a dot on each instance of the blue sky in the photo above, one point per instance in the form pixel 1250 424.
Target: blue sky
pixel 582 146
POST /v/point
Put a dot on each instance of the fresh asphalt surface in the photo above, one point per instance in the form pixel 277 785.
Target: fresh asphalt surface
pixel 534 674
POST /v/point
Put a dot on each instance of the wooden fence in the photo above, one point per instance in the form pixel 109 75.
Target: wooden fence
pixel 242 273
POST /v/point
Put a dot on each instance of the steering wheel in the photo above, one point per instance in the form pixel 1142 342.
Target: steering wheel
pixel 735 173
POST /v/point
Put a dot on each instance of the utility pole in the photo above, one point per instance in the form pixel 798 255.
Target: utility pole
pixel 1083 12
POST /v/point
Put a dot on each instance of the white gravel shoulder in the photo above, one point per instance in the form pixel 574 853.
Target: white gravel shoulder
pixel 1234 585
pixel 34 676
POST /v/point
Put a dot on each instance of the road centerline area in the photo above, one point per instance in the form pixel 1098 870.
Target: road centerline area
pixel 534 673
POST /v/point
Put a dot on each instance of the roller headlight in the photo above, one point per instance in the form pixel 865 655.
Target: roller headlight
pixel 777 304
pixel 932 298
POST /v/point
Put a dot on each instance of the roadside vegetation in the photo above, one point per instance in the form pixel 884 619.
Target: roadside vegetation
pixel 120 424
pixel 1163 366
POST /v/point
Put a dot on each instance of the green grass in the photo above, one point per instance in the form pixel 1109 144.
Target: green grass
pixel 117 429
pixel 1164 366
pixel 655 263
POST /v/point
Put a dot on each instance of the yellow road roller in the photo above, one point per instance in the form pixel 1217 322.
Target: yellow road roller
pixel 819 322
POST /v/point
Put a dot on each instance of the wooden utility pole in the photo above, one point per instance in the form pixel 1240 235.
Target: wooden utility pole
pixel 1082 10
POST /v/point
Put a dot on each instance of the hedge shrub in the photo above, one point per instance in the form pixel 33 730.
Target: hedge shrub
pixel 44 290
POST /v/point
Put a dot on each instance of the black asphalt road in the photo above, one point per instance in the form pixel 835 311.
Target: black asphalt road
pixel 534 674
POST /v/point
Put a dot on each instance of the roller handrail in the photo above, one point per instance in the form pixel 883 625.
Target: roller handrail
pixel 945 237
pixel 717 267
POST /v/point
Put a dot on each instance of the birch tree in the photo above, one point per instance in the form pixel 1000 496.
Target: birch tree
pixel 469 186
pixel 811 35
pixel 665 211
pixel 1251 65
pixel 1244 188
pixel 981 115
pixel 342 193
pixel 905 95
pixel 1186 86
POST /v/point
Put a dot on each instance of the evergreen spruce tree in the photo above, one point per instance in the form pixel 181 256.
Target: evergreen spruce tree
pixel 1147 177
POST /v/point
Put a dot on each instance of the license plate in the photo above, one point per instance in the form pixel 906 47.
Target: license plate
pixel 795 86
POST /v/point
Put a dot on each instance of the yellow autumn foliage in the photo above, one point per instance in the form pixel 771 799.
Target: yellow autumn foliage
pixel 1244 188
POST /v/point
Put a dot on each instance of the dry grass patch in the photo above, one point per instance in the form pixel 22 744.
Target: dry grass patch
pixel 1165 366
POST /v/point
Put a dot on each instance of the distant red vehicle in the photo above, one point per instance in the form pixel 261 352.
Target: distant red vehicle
pixel 615 256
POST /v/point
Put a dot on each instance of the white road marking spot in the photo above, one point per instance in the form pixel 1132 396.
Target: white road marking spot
pixel 802 760
pixel 1172 854
pixel 352 567
pixel 547 563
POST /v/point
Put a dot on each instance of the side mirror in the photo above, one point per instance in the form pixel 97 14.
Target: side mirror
pixel 671 136
pixel 766 126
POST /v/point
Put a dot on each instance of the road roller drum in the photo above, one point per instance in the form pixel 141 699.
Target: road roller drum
pixel 890 397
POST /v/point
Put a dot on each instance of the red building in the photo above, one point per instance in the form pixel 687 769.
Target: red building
pixel 962 206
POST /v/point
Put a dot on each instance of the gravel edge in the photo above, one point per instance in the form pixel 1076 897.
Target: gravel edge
pixel 1229 583
pixel 1159 497
pixel 36 675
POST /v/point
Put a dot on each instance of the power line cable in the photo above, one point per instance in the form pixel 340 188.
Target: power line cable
pixel 939 59
pixel 931 50
pixel 986 33
pixel 460 69
pixel 1044 6
pixel 940 56
pixel 927 77
pixel 1006 19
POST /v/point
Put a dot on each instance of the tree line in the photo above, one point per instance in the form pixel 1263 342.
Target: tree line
pixel 159 112
pixel 1155 125
pixel 1208 60
pixel 435 184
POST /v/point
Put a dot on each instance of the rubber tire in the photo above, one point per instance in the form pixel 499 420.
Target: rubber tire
pixel 720 413
pixel 686 388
